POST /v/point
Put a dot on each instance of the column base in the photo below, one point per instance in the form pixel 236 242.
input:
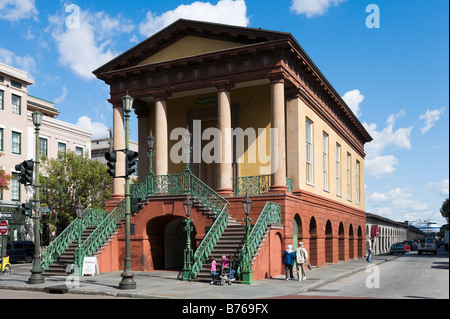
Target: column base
pixel 278 189
pixel 247 277
pixel 114 201
pixel 225 192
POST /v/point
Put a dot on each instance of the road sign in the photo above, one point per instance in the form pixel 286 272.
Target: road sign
pixel 4 227
pixel 6 215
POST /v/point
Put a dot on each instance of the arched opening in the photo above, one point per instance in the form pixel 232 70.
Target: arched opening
pixel 328 242
pixel 341 241
pixel 313 241
pixel 360 242
pixel 351 241
pixel 297 230
pixel 167 239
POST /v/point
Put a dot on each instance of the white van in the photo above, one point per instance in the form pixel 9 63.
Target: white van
pixel 427 244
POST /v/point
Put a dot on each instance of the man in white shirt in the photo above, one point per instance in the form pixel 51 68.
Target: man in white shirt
pixel 301 256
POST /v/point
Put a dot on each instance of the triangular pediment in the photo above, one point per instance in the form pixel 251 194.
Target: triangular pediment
pixel 189 46
pixel 186 38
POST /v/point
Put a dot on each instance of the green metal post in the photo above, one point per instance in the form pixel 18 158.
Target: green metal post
pixel 188 253
pixel 127 281
pixel 36 272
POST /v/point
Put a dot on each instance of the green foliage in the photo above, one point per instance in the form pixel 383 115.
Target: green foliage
pixel 71 178
pixel 4 178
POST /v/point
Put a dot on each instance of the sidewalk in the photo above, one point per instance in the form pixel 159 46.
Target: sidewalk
pixel 164 284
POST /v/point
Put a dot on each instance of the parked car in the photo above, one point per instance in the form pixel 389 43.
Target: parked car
pixel 20 251
pixel 397 248
pixel 412 245
pixel 406 248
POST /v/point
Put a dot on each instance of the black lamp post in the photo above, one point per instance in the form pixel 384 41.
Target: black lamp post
pixel 188 253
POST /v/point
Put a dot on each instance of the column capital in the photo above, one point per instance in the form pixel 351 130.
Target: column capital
pixel 277 77
pixel 160 95
pixel 223 86
pixel 292 93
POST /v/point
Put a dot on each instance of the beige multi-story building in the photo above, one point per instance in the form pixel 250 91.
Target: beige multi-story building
pixel 17 138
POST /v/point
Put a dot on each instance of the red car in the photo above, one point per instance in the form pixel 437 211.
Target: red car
pixel 406 248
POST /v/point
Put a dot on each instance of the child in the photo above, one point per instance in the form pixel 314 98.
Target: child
pixel 224 261
pixel 213 270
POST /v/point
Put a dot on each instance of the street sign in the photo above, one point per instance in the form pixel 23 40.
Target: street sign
pixel 6 215
pixel 4 227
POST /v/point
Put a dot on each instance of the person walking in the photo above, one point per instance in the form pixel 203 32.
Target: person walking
pixel 369 250
pixel 213 270
pixel 288 261
pixel 301 257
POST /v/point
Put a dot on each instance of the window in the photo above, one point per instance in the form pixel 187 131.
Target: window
pixel 15 107
pixel 338 170
pixel 16 143
pixel 325 161
pixel 1 139
pixel 309 152
pixel 62 148
pixel 43 147
pixel 349 177
pixel 79 151
pixel 357 183
pixel 2 95
pixel 16 84
pixel 15 187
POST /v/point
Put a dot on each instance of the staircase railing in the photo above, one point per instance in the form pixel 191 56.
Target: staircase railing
pixel 100 234
pixel 271 214
pixel 188 184
pixel 91 217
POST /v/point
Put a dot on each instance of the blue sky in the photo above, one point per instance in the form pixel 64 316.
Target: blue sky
pixel 394 77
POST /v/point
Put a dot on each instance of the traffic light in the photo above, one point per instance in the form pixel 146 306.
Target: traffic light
pixel 131 162
pixel 26 172
pixel 29 167
pixel 27 209
pixel 111 157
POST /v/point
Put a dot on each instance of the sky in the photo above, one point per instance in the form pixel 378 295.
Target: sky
pixel 389 60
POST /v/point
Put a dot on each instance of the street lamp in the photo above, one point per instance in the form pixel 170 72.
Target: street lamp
pixel 127 281
pixel 151 144
pixel 36 272
pixel 246 262
pixel 79 210
pixel 187 136
pixel 188 253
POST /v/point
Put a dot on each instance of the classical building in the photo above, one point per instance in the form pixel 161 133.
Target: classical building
pixel 264 122
pixel 17 138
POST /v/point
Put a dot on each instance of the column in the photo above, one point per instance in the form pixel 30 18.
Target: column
pixel 119 144
pixel 225 184
pixel 161 135
pixel 143 132
pixel 278 144
pixel 293 109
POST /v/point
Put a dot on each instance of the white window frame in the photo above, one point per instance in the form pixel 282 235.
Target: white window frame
pixel 309 138
pixel 338 170
pixel 349 176
pixel 358 189
pixel 326 183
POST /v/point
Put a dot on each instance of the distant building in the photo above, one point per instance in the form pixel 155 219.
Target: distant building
pixel 17 138
pixel 429 227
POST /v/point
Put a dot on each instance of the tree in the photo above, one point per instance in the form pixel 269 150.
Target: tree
pixel 444 209
pixel 4 178
pixel 71 178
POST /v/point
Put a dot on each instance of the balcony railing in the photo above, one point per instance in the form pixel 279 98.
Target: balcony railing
pixel 255 185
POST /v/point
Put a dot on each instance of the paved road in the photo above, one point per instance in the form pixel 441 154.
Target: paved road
pixel 411 276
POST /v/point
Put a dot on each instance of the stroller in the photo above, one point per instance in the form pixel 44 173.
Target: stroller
pixel 225 276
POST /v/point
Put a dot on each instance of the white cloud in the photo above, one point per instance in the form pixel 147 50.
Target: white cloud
pixel 61 98
pixel 226 11
pixel 88 46
pixel 398 204
pixel 353 99
pixel 25 63
pixel 376 163
pixel 380 165
pixel 442 187
pixel 15 10
pixel 313 7
pixel 430 117
pixel 97 129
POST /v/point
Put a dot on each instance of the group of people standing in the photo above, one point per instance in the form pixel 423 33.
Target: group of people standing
pixel 232 263
pixel 300 257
